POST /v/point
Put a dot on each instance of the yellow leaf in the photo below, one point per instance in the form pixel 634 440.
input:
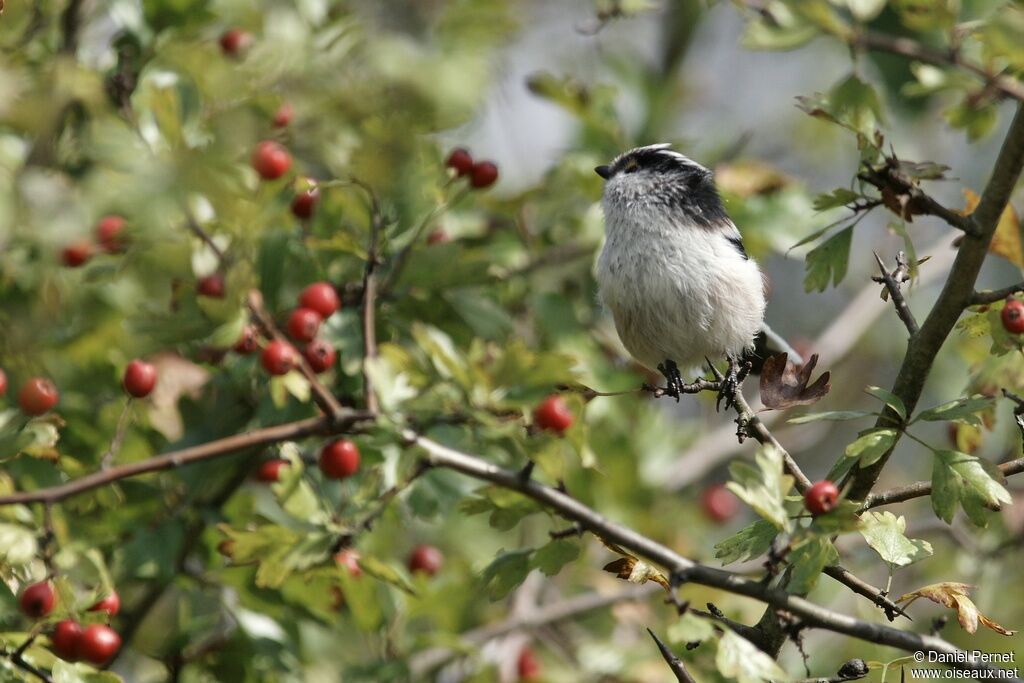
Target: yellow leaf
pixel 954 595
pixel 1007 239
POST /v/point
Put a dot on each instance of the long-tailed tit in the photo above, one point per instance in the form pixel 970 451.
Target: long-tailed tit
pixel 673 271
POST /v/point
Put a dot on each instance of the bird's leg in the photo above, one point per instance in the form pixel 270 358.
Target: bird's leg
pixel 730 384
pixel 673 379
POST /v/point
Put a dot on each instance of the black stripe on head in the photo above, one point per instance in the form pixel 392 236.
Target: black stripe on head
pixel 737 241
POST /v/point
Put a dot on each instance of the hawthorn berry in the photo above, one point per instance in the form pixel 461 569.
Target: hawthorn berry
pixel 349 559
pixel 37 600
pixel 460 161
pixel 304 203
pixel 283 116
pixel 528 666
pixel 821 498
pixel 483 174
pixel 1013 316
pixel 270 470
pixel 339 459
pixel 211 286
pixel 553 414
pixel 111 604
pixel 321 297
pixel 75 255
pixel 320 355
pixel 65 638
pixel 234 40
pixel 271 160
pixel 719 503
pixel 139 378
pixel 303 324
pixel 98 644
pixel 37 396
pixel 3 382
pixel 279 357
pixel 108 233
pixel 248 342
pixel 438 236
pixel 427 559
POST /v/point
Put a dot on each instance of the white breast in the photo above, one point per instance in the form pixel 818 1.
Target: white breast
pixel 678 292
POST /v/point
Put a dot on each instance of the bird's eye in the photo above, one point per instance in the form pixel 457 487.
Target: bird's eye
pixel 631 166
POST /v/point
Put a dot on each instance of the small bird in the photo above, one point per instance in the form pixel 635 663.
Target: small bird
pixel 673 271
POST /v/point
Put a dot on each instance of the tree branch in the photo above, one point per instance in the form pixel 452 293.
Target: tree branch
pixel 674 663
pixel 893 282
pixel 888 177
pixel 187 456
pixel 369 305
pixel 924 488
pixel 955 296
pixel 680 567
pixel 990 297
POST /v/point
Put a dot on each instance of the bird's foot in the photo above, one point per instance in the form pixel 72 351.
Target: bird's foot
pixel 674 385
pixel 730 384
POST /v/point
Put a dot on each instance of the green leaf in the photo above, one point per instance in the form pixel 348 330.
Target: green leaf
pixel 550 558
pixel 865 10
pixel 690 628
pixel 747 543
pixel 808 560
pixel 17 544
pixel 890 399
pixel 974 483
pixel 382 571
pixel 506 572
pixel 833 415
pixel 871 445
pixel 828 261
pixel 836 198
pixel 946 487
pixel 764 487
pixel 884 532
pixel 507 507
pixel 742 661
pixel 963 410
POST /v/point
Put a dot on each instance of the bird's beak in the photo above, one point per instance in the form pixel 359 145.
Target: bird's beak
pixel 603 171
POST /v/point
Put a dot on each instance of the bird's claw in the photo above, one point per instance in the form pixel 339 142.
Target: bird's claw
pixel 730 384
pixel 674 385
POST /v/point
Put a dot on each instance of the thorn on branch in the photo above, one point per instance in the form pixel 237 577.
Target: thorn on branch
pixel 674 663
pixel 574 530
pixel 893 282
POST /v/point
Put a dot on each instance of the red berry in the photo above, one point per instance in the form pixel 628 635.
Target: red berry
pixel 76 254
pixel 98 644
pixel 3 382
pixel 719 503
pixel 553 414
pixel 271 160
pixel 305 203
pixel 349 559
pixel 65 639
pixel 139 378
pixel 321 297
pixel 339 459
pixel 37 396
pixel 320 355
pixel 426 559
pixel 821 498
pixel 234 40
pixel 279 357
pixel 483 175
pixel 111 604
pixel 270 470
pixel 283 116
pixel 528 665
pixel 248 342
pixel 37 600
pixel 438 236
pixel 108 232
pixel 303 324
pixel 211 286
pixel 1013 316
pixel 460 160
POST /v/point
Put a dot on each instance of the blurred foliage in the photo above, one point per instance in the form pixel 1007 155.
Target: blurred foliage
pixel 134 109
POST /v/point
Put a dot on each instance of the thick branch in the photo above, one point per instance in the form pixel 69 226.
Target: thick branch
pixel 955 296
pixel 682 568
pixel 185 456
pixel 924 488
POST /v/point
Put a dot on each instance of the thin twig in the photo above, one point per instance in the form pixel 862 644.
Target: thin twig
pixel 892 282
pixel 119 434
pixel 369 304
pixel 674 663
pixel 888 177
pixel 18 659
pixel 924 488
pixel 205 237
pixel 70 22
pixel 990 297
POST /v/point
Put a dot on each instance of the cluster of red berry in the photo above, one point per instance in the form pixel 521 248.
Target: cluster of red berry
pixel 317 302
pixel 108 239
pixel 95 643
pixel 481 173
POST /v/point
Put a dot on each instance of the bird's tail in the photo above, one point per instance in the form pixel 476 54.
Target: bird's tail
pixel 768 343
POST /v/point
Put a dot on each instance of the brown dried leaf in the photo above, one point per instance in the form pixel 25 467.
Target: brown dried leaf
pixel 178 377
pixel 784 385
pixel 954 595
pixel 632 569
pixel 1006 241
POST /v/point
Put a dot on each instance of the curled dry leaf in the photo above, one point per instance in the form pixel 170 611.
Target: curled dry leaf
pixel 784 384
pixel 954 595
pixel 178 377
pixel 633 569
